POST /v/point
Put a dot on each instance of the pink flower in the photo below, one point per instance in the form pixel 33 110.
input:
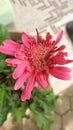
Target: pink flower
pixel 34 60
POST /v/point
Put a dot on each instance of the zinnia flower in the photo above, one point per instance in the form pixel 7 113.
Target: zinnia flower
pixel 34 60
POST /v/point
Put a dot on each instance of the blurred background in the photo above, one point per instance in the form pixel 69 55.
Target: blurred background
pixel 26 15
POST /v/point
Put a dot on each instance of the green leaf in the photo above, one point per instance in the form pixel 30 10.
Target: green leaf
pixel 4 108
pixel 2 65
pixel 2 56
pixel 42 106
pixel 17 108
pixel 17 114
pixel 4 34
pixel 8 103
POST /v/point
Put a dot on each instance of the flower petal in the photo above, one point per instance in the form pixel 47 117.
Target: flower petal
pixel 59 37
pixel 39 37
pixel 61 72
pixel 21 80
pixel 59 58
pixel 9 47
pixel 25 40
pixel 61 48
pixel 28 40
pixel 48 36
pixel 28 89
pixel 6 50
pixel 13 62
pixel 42 80
pixel 19 70
pixel 11 44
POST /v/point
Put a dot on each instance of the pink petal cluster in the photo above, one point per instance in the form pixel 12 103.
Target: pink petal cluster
pixel 34 60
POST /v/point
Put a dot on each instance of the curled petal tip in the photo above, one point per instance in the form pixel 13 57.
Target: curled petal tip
pixel 59 36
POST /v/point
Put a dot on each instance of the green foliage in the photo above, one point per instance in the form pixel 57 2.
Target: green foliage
pixel 16 108
pixel 2 65
pixel 42 106
pixel 8 103
pixel 4 34
pixel 4 108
